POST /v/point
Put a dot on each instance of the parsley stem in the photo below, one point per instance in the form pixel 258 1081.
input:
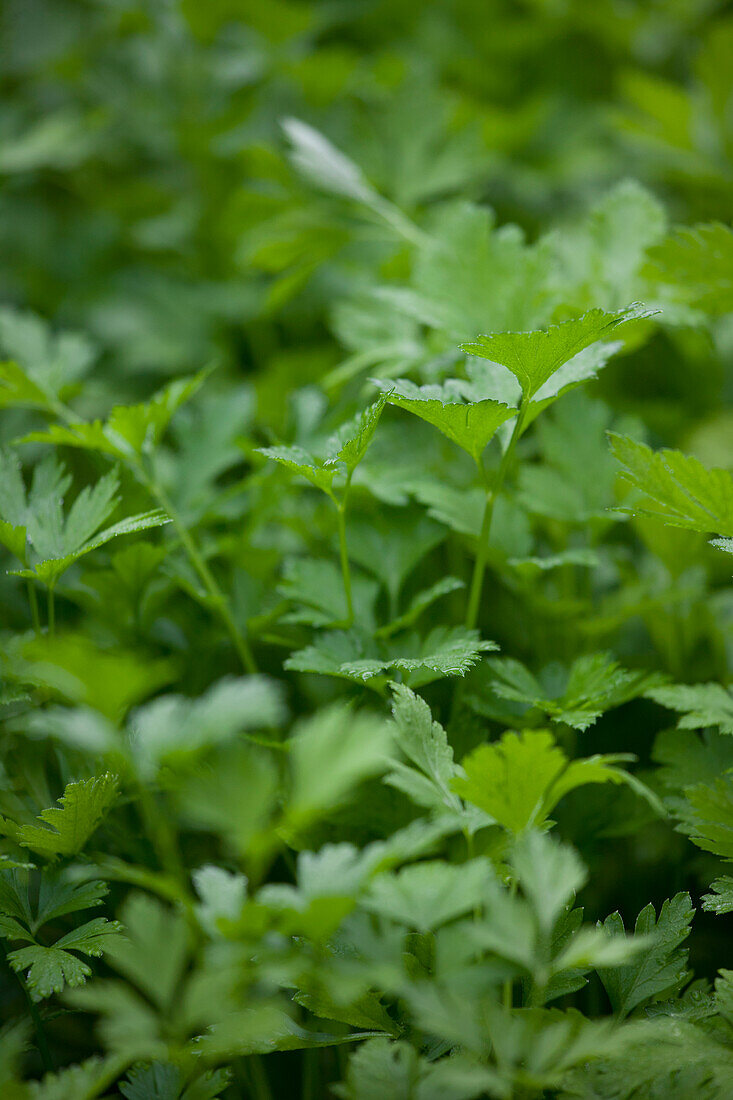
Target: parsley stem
pixel 508 989
pixel 33 603
pixel 258 1077
pixel 51 612
pixel 482 554
pixel 162 838
pixel 344 554
pixel 198 562
pixel 41 1040
pixel 400 223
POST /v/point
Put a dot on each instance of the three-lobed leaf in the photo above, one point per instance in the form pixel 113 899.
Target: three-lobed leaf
pixel 534 357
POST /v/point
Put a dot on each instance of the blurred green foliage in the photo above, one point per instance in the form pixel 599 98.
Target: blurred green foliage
pixel 344 343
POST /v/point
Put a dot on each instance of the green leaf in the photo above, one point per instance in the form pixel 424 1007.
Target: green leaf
pixel 84 1081
pixel 367 1012
pixel 51 569
pixel 351 442
pixel 380 1068
pixel 107 679
pixel 602 256
pixel 59 895
pixel 153 954
pixel 577 696
pixel 707 816
pixel 425 743
pixel 429 894
pixel 325 165
pixel 66 828
pixel 696 263
pixel 533 357
pixel 234 799
pixel 471 425
pixel 701 705
pixel 720 901
pixel 45 366
pixel 677 488
pixel 130 430
pixel 330 754
pixel 316 585
pixel 445 651
pixel 158 1081
pixel 50 969
pixel 661 971
pixel 32 903
pixel 56 540
pixel 518 780
pixel 390 545
pixel 549 873
pixel 300 462
pixel 163 1081
pixel 173 728
pixel 473 273
pixel 222 895
pixel 688 760
pixel 17 389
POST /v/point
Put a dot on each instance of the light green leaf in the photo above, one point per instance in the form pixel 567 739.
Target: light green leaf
pixel 533 357
pixel 425 743
pixel 325 165
pixel 153 954
pixel 222 894
pixel 130 430
pixel 677 488
pixel 298 461
pixel 429 894
pixel 45 364
pixel 174 727
pixel 56 540
pixel 518 780
pixel 380 1068
pixel 696 263
pixel 331 754
pixel 351 442
pixel 84 1081
pixel 471 425
pixel 701 705
pixel 549 873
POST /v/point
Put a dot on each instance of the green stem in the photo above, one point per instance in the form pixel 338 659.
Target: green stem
pixel 51 612
pixel 199 564
pixel 162 839
pixel 482 554
pixel 33 602
pixel 311 1090
pixel 508 990
pixel 256 1072
pixel 400 222
pixel 41 1040
pixel 344 554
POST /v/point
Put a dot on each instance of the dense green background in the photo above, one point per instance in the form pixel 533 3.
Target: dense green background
pixel 152 205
